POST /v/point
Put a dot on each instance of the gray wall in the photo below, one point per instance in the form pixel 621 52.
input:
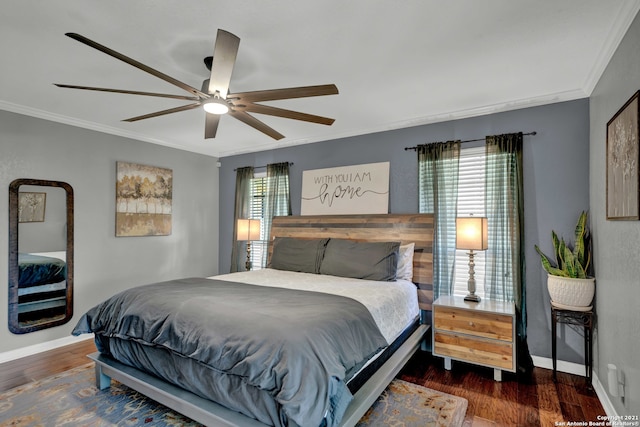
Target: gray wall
pixel 104 264
pixel 617 243
pixel 555 174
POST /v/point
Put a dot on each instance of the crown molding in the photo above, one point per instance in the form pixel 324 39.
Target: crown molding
pixel 425 120
pixel 59 118
pixel 623 21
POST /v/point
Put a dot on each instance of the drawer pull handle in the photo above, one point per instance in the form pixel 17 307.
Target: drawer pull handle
pixel 471 324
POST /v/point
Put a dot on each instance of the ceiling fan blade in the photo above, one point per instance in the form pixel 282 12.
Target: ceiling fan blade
pixel 287 114
pixel 211 125
pixel 288 93
pixel 257 124
pixel 163 112
pixel 137 64
pixel 130 92
pixel 224 58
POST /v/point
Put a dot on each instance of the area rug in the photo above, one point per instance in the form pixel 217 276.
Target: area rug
pixel 71 399
pixel 405 404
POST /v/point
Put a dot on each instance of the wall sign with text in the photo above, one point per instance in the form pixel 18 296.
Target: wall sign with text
pixel 358 189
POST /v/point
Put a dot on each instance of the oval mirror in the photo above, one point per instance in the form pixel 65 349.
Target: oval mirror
pixel 40 254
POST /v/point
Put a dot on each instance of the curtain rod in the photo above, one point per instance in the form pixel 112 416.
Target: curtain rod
pixel 261 167
pixel 469 140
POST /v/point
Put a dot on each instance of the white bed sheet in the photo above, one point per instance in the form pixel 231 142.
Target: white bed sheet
pixel 393 305
pixel 56 254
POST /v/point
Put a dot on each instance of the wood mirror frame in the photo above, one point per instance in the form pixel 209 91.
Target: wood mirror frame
pixel 15 325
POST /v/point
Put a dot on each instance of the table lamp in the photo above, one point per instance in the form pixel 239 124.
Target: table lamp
pixel 471 234
pixel 248 230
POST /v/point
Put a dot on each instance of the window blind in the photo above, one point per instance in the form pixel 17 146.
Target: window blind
pixel 471 201
pixel 256 211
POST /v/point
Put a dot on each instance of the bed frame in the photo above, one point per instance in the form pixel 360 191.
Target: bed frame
pixel 405 228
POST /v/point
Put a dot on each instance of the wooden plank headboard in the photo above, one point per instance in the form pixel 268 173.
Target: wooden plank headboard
pixel 403 228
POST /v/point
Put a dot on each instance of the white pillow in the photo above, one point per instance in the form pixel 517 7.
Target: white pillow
pixel 404 270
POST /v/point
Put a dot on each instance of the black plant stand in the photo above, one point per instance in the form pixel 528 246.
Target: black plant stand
pixel 583 319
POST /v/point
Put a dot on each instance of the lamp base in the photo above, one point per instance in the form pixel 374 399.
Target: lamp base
pixel 471 283
pixel 247 263
pixel 472 297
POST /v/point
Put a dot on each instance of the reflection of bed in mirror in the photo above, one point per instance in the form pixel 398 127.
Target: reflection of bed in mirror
pixel 42 286
pixel 296 347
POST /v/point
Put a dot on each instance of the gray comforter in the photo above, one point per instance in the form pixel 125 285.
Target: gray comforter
pixel 297 347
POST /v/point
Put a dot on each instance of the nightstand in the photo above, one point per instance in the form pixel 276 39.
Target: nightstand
pixel 482 333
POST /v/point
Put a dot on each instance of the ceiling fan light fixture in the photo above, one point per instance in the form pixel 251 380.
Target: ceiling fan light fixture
pixel 214 96
pixel 215 105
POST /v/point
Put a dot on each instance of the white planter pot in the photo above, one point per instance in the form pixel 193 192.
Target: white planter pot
pixel 571 292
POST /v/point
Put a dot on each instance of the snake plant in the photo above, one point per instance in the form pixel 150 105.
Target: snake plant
pixel 570 262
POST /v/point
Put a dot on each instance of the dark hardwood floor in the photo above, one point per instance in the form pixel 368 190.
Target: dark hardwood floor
pixel 31 368
pixel 537 401
pixel 534 401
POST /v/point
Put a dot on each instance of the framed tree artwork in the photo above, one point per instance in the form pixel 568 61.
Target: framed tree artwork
pixel 31 206
pixel 623 153
pixel 143 200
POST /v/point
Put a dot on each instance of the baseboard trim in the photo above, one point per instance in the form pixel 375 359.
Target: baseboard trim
pixel 566 367
pixel 8 356
pixel 603 396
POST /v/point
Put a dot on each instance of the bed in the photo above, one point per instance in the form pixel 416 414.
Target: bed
pixel 284 320
pixel 42 284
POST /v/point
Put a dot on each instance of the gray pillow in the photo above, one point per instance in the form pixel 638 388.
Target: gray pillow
pixel 302 255
pixel 361 260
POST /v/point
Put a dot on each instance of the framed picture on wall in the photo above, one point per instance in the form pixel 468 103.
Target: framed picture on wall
pixel 346 190
pixel 623 153
pixel 144 197
pixel 31 206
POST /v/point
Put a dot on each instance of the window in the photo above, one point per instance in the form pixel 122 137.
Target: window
pixel 257 194
pixel 268 197
pixel 471 200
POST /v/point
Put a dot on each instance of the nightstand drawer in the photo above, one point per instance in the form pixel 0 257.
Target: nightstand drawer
pixel 477 323
pixel 498 354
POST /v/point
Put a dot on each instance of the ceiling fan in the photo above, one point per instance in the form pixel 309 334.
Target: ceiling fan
pixel 214 96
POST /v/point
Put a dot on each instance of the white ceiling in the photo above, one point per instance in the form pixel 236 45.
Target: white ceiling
pixel 396 63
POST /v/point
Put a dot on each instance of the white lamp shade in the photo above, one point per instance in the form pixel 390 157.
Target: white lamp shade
pixel 248 229
pixel 471 233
